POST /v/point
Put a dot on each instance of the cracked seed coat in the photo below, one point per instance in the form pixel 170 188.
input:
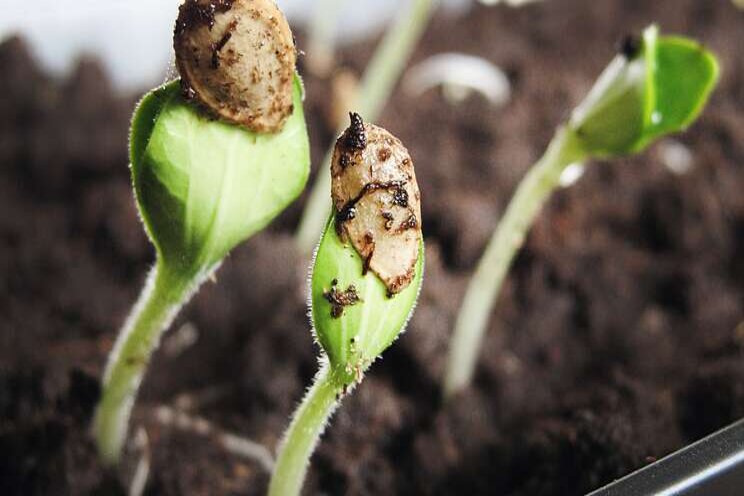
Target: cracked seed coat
pixel 377 202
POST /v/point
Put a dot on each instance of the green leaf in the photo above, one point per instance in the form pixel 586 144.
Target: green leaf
pixel 202 185
pixel 684 75
pixel 364 330
pixel 659 91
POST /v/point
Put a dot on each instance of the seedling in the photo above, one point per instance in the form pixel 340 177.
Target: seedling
pixel 204 185
pixel 654 86
pixel 378 82
pixel 365 281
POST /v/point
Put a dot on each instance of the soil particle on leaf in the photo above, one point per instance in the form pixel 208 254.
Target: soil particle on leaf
pixel 341 299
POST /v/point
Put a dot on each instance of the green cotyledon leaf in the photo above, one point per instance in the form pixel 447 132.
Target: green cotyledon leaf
pixel 202 185
pixel 684 76
pixel 354 334
pixel 658 90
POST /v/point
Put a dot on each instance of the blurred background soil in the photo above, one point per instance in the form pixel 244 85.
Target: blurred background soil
pixel 619 336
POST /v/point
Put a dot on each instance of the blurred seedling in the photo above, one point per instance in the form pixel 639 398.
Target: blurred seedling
pixel 321 50
pixel 210 168
pixel 365 281
pixel 655 86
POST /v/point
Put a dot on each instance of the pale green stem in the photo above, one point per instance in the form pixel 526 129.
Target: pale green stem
pixel 321 36
pixel 480 298
pixel 378 82
pixel 304 432
pixel 163 295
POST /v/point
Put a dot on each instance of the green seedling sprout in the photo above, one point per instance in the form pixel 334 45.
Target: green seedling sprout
pixel 657 85
pixel 377 84
pixel 204 185
pixel 365 281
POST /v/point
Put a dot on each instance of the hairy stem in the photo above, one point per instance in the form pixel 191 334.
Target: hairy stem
pixel 163 295
pixel 380 77
pixel 532 193
pixel 304 432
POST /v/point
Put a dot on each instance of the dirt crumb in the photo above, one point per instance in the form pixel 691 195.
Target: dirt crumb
pixel 341 299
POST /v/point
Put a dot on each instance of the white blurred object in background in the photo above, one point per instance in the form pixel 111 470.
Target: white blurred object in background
pixel 459 74
pixel 676 156
pixel 134 37
pixel 571 174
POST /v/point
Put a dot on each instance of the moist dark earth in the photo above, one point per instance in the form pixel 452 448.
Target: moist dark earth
pixel 619 336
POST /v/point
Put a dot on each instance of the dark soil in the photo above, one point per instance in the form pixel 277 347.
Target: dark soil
pixel 619 336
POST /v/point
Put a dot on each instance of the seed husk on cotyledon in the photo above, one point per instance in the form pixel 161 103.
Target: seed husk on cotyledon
pixel 203 186
pixel 377 202
pixel 365 280
pixel 237 59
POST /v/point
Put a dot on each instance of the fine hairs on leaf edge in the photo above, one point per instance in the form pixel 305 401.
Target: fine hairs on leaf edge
pixel 303 93
pixel 138 141
pixel 309 295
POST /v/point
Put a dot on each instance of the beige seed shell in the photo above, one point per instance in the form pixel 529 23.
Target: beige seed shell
pixel 237 58
pixel 385 231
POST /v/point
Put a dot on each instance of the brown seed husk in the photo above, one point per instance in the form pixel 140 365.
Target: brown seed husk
pixel 237 58
pixel 377 201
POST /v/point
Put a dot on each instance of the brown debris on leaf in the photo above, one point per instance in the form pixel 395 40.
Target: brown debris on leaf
pixel 237 58
pixel 341 299
pixel 377 202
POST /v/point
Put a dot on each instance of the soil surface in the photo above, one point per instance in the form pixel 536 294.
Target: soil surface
pixel 619 336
